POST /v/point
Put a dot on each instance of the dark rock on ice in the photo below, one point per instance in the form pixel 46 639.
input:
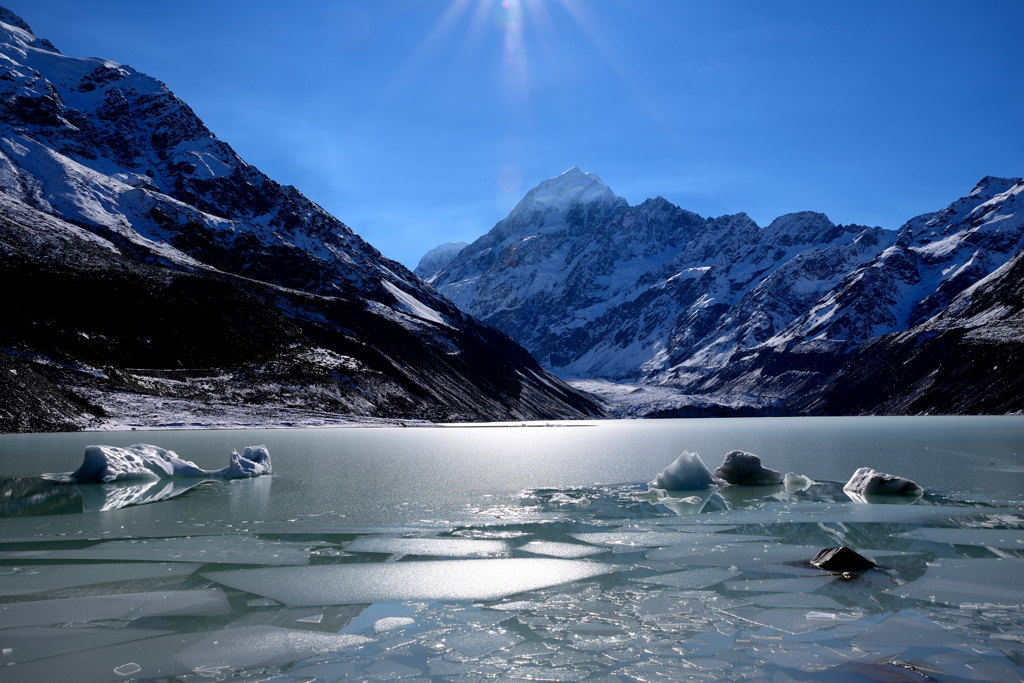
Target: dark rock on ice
pixel 841 559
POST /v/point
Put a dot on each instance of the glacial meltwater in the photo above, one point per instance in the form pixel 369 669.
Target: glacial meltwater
pixel 523 551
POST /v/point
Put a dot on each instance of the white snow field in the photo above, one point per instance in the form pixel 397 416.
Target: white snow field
pixel 449 555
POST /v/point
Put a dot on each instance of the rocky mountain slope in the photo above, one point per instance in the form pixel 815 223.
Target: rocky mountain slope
pixel 718 311
pixel 141 257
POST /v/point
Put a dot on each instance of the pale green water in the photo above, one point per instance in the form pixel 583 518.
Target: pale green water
pixel 459 529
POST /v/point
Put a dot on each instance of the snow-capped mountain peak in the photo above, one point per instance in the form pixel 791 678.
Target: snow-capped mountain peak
pixel 571 187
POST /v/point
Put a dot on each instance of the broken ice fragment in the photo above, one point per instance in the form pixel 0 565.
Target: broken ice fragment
pixel 565 499
pixel 399 581
pixel 841 559
pixel 866 482
pixel 128 669
pixel 744 469
pixel 448 547
pixel 686 473
pixel 391 623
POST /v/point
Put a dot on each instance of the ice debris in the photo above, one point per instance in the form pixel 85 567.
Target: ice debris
pixel 106 464
pixel 686 473
pixel 866 482
pixel 744 469
pixel 797 482
pixel 564 499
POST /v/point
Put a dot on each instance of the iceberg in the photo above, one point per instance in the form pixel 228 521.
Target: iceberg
pixel 143 462
pixel 686 473
pixel 797 482
pixel 867 482
pixel 744 469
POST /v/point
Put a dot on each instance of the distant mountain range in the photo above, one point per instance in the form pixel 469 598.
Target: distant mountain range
pixel 667 313
pixel 142 260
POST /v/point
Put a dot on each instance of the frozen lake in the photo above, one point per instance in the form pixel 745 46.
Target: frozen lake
pixel 519 552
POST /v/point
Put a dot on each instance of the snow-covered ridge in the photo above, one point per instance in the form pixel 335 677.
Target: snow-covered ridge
pixel 96 155
pixel 656 295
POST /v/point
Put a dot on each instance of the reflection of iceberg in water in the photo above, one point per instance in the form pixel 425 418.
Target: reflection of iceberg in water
pixel 884 498
pixel 102 497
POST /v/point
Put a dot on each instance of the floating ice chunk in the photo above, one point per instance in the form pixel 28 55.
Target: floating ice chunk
pixel 143 462
pixel 686 473
pixel 400 581
pixel 206 602
pixel 694 578
pixel 794 621
pixel 211 654
pixel 36 642
pixel 867 482
pixel 744 469
pixel 897 629
pixel 993 538
pixel 228 549
pixel 104 464
pixel 253 462
pixel 797 482
pixel 438 547
pixel 565 499
pixel 391 623
pixel 566 551
pixel 52 577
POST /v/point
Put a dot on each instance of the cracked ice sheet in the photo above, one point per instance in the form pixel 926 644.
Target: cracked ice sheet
pixel 568 551
pixel 742 555
pixel 897 629
pixel 793 621
pixel 438 547
pixel 439 580
pixel 222 549
pixel 39 578
pixel 697 578
pixel 804 584
pixel 990 538
pixel 951 592
pixel 37 642
pixel 121 606
pixel 215 654
pixel 656 539
pixel 958 580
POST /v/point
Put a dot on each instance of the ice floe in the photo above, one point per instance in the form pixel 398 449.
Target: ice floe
pixel 867 482
pixel 398 581
pixel 745 469
pixel 686 473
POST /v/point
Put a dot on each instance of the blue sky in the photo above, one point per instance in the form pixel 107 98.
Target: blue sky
pixel 418 123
